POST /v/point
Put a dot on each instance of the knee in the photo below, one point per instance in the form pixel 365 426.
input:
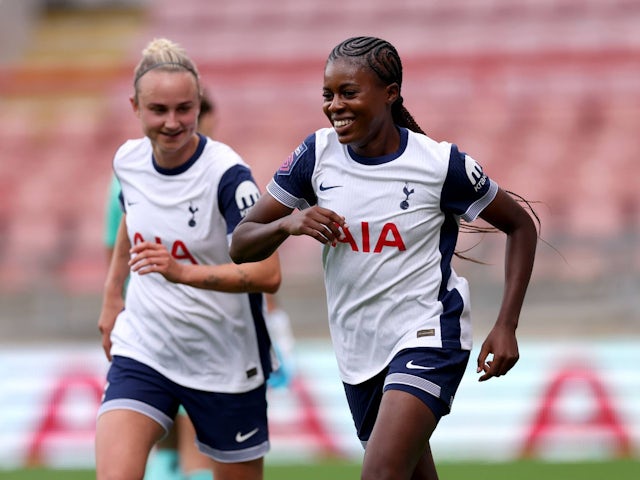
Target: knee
pixel 118 474
pixel 383 471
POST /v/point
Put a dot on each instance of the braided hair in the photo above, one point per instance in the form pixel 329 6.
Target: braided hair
pixel 381 57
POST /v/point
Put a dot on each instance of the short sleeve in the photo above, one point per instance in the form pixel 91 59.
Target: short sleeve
pixel 291 184
pixel 467 190
pixel 237 193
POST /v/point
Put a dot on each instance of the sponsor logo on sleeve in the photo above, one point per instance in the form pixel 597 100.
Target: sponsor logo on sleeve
pixel 474 173
pixel 289 163
pixel 247 195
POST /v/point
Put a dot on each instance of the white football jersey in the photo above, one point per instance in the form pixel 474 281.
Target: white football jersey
pixel 201 339
pixel 390 284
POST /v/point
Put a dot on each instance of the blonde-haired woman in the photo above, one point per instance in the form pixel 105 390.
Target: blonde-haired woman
pixel 192 331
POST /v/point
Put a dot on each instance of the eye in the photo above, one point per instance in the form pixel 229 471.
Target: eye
pixel 327 96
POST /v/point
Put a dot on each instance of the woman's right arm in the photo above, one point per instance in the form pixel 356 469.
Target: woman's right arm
pixel 259 234
pixel 269 223
pixel 113 295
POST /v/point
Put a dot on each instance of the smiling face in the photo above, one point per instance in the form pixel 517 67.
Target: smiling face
pixel 358 105
pixel 167 104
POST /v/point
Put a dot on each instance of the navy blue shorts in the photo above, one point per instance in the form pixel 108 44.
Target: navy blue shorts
pixel 230 427
pixel 431 374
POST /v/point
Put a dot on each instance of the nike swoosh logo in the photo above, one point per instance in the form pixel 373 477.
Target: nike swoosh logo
pixel 323 188
pixel 411 366
pixel 243 437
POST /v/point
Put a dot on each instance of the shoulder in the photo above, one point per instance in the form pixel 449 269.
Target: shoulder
pixel 132 146
pixel 427 154
pixel 304 152
pixel 219 148
pixel 325 135
pixel 311 148
pixel 222 153
pixel 438 149
pixel 317 141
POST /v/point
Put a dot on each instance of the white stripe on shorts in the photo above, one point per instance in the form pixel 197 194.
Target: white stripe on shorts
pixel 413 381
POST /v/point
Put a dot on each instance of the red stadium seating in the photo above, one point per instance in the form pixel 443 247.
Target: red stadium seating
pixel 543 93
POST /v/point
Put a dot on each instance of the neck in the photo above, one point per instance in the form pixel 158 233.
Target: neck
pixel 379 146
pixel 174 158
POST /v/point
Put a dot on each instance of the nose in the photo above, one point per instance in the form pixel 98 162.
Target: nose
pixel 335 104
pixel 171 120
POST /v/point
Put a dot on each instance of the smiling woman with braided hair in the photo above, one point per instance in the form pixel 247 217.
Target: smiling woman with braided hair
pixel 385 201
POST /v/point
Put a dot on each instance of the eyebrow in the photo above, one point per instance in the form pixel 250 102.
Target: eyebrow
pixel 181 104
pixel 343 85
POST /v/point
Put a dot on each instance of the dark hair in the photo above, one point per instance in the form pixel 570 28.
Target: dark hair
pixel 206 104
pixel 381 57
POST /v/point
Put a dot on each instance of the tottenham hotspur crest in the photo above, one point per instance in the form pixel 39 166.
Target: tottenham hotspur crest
pixel 405 203
pixel 192 210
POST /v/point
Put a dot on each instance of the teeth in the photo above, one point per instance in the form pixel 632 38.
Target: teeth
pixel 341 123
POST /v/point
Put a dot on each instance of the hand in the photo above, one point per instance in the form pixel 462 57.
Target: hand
pixel 107 321
pixel 320 223
pixel 151 257
pixel 501 343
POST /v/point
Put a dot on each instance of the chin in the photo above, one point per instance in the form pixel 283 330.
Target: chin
pixel 345 139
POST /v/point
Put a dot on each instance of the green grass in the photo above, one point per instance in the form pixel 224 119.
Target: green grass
pixel 536 470
pixel 525 470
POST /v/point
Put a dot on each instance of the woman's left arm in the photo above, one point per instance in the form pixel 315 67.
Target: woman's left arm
pixel 510 217
pixel 263 276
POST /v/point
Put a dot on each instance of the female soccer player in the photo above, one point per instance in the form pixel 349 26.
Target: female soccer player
pixel 192 332
pixel 385 200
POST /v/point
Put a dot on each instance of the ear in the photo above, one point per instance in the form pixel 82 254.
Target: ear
pixel 134 104
pixel 393 92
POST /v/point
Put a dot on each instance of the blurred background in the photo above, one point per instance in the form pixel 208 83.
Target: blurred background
pixel 545 94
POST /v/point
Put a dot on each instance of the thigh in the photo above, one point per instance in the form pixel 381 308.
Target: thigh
pixel 136 411
pixel 397 411
pixel 399 443
pixel 123 441
pixel 250 470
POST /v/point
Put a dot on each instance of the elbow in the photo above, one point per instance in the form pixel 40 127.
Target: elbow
pixel 237 259
pixel 236 255
pixel 272 285
pixel 266 276
pixel 239 254
pixel 525 235
pixel 531 230
pixel 525 226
